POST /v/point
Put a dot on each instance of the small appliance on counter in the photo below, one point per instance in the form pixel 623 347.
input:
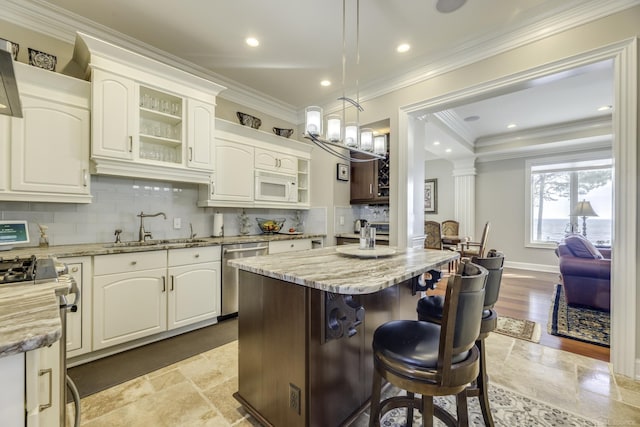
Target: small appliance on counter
pixel 381 227
pixel 359 224
pixel 218 225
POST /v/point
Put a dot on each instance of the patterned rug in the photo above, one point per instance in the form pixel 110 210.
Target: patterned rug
pixel 580 324
pixel 509 409
pixel 518 328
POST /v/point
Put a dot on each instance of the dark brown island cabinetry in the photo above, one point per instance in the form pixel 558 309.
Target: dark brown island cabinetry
pixel 369 180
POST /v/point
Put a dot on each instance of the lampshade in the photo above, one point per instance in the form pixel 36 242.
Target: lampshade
pixel 313 121
pixel 366 139
pixel 380 144
pixel 583 208
pixel 334 128
pixel 351 135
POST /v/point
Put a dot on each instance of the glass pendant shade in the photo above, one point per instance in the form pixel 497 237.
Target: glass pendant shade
pixel 351 135
pixel 366 139
pixel 380 144
pixel 313 121
pixel 334 128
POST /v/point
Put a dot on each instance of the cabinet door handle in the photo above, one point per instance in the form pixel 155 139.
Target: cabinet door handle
pixel 130 143
pixel 42 372
pixel 370 188
pixel 164 284
pixel 213 188
pixel 84 177
pixel 190 154
pixel 172 282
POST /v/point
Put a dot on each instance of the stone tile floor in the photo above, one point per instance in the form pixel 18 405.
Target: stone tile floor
pixel 198 391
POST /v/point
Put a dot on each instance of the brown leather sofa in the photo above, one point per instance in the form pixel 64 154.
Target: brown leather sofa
pixel 586 273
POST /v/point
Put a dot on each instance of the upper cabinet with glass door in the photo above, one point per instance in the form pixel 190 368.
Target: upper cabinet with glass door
pixel 149 120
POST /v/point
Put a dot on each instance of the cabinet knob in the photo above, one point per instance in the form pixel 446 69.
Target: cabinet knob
pixel 74 269
pixel 197 255
pixel 134 262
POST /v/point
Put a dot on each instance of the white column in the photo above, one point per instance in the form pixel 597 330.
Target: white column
pixel 464 189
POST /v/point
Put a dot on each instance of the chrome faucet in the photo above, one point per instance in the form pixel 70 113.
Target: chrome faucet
pixel 142 234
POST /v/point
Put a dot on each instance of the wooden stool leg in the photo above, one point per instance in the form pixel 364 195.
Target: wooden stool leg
pixel 410 410
pixel 462 411
pixel 427 411
pixel 374 408
pixel 482 383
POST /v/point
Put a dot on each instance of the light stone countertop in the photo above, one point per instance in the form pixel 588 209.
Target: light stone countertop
pixel 89 249
pixel 328 270
pixel 30 316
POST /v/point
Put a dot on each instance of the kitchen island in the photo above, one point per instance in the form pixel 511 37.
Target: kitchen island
pixel 307 324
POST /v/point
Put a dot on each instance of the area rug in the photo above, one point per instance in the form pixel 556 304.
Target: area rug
pixel 519 328
pixel 509 409
pixel 580 324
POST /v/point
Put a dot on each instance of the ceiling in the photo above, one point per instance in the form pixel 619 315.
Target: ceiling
pixel 301 43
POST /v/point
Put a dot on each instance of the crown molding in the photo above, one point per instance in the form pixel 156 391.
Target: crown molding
pixel 63 25
pixel 576 14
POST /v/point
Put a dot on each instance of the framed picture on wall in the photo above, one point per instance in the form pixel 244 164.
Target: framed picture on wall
pixel 343 172
pixel 431 196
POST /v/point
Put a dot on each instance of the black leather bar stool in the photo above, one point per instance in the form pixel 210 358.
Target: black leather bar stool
pixel 430 309
pixel 432 359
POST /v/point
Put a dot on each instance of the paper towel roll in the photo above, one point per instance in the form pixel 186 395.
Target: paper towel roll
pixel 218 226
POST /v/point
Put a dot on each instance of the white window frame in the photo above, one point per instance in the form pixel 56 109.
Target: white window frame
pixel 531 163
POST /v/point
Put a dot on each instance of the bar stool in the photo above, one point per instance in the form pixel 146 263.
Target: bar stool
pixel 430 309
pixel 432 359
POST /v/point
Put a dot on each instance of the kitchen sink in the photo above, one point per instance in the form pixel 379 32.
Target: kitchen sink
pixel 153 243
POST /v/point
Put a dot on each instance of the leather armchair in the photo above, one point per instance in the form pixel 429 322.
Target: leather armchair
pixel 586 273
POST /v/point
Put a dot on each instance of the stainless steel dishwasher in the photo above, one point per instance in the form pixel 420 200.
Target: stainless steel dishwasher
pixel 230 274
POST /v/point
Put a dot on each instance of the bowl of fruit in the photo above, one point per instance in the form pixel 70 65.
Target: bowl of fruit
pixel 270 226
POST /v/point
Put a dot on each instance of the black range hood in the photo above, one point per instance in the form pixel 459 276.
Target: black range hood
pixel 10 104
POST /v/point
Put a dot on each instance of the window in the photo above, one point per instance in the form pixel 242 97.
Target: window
pixel 554 190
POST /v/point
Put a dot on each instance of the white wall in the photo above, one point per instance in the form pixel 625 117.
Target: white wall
pixel 442 170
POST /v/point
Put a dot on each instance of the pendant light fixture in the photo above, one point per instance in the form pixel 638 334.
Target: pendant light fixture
pixel 336 139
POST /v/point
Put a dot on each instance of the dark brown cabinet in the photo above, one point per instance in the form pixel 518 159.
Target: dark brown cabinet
pixel 369 180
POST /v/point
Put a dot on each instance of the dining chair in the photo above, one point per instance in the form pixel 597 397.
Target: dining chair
pixel 432 359
pixel 450 227
pixel 471 249
pixel 433 233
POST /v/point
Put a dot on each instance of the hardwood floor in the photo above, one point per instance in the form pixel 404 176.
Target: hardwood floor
pixel 526 294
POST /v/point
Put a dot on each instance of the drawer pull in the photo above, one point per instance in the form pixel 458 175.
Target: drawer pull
pixel 45 372
pixel 164 284
pixel 172 281
pixel 134 262
pixel 197 255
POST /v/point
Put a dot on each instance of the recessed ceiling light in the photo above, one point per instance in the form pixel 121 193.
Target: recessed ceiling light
pixel 605 108
pixel 436 142
pixel 325 83
pixel 448 150
pixel 471 118
pixel 512 125
pixel 252 41
pixel 404 47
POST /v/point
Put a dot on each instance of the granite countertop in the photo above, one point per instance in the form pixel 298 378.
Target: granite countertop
pixel 30 316
pixel 328 270
pixel 89 249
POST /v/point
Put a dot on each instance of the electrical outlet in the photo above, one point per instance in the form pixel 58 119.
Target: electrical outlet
pixel 177 223
pixel 294 398
pixel 341 220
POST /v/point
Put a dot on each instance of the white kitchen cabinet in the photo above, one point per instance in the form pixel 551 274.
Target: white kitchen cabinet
pixel 45 154
pixel 194 285
pixel 240 152
pixel 43 386
pixel 151 120
pixel 129 297
pixel 293 245
pixel 139 294
pixel 233 180
pixel 271 159
pixel 113 121
pixel 12 390
pixel 79 322
pixel 200 135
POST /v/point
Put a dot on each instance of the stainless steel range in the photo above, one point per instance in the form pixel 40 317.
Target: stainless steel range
pixel 31 269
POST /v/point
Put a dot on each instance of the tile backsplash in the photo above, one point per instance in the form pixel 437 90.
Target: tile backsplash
pixel 117 202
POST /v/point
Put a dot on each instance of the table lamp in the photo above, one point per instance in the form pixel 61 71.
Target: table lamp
pixel 584 210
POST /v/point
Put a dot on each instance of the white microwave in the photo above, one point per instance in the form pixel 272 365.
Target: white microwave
pixel 276 187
